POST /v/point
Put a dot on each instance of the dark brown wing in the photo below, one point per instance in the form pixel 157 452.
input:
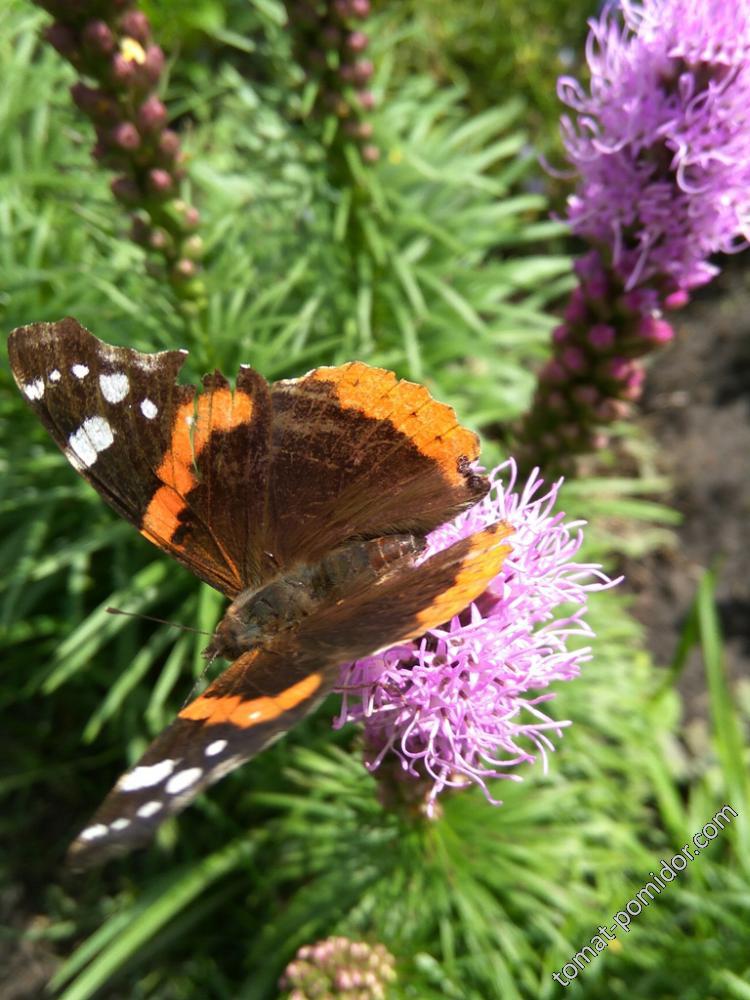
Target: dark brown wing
pixel 266 691
pixel 164 459
pixel 357 453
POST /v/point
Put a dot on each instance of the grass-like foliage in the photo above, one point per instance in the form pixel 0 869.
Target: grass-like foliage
pixel 435 262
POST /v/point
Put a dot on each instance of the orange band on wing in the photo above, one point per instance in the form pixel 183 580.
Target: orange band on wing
pixel 252 711
pixel 481 563
pixel 217 410
pixel 431 426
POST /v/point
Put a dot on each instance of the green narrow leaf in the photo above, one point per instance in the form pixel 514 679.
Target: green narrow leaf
pixel 120 939
pixel 727 731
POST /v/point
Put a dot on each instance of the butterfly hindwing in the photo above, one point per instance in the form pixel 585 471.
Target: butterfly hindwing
pixel 258 698
pixel 267 691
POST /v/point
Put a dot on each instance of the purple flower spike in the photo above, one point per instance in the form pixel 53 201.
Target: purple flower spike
pixel 661 139
pixel 656 330
pixel 463 704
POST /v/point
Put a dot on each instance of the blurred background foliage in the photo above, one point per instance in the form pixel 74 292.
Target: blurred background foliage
pixel 440 262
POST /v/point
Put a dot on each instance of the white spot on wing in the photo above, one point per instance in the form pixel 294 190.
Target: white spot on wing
pixel 150 808
pixel 119 824
pixel 54 375
pixel 149 409
pixel 254 715
pixel 80 371
pixel 183 779
pixel 92 832
pixel 216 747
pixel 35 389
pixel 115 387
pixel 146 776
pixel 94 435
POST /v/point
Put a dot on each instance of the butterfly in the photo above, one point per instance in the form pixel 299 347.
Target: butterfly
pixel 306 502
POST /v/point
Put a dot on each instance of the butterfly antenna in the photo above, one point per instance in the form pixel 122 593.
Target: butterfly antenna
pixel 161 621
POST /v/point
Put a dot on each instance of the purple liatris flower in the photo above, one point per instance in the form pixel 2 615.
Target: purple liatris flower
pixel 661 140
pixel 463 704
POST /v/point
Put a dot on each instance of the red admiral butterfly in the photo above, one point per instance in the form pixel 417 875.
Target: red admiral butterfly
pixel 306 502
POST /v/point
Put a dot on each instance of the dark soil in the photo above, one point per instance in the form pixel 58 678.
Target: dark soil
pixel 697 408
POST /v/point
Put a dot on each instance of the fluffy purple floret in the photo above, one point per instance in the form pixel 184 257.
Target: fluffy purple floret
pixel 462 704
pixel 661 140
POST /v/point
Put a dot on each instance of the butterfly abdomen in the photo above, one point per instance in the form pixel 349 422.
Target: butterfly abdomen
pixel 257 616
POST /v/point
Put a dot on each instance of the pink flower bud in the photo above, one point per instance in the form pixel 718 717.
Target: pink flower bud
pixel 159 181
pixel 586 395
pixel 601 336
pixel 98 37
pixel 159 239
pixel 61 38
pixel 125 190
pixel 191 216
pixel 152 115
pixel 185 268
pixel 599 440
pixel 359 8
pixel 589 267
pixel 576 309
pixel 560 334
pixel 641 300
pixel 634 383
pixel 553 371
pixel 655 330
pixel 619 368
pixel 153 66
pixel 593 276
pixel 84 97
pixel 370 153
pixel 574 359
pixel 347 72
pixel 677 299
pixel 357 41
pixel 135 24
pixel 125 136
pixel 607 410
pixel 169 145
pixel 366 99
pixel 363 70
pixel 123 70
